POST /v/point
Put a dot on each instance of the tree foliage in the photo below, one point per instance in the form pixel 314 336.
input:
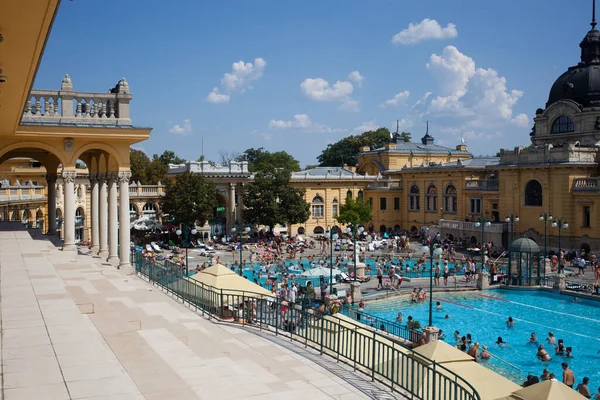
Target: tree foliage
pixel 261 160
pixel 189 198
pixel 169 157
pixel 354 211
pixel 271 200
pixel 144 170
pixel 226 156
pixel 406 136
pixel 345 151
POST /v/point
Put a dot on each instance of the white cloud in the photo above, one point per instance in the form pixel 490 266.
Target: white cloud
pixel 521 120
pixel 263 135
pixel 478 96
pixel 426 29
pixel 356 77
pixel 182 129
pixel 398 99
pixel 367 126
pixel 304 123
pixel 238 80
pixel 217 98
pixel 319 90
pixel 351 105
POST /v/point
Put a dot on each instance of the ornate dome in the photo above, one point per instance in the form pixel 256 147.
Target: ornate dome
pixel 581 83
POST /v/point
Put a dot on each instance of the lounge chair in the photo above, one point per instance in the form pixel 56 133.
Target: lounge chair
pixel 348 279
pixel 149 248
pixel 156 247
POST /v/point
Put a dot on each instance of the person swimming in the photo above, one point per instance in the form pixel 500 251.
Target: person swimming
pixel 485 355
pixel 447 316
pixel 438 306
pixel 542 354
pixel 551 339
pixel 560 349
pixel 501 342
pixel 533 338
pixel 510 322
pixel 399 317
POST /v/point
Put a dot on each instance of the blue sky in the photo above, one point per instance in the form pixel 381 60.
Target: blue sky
pixel 308 73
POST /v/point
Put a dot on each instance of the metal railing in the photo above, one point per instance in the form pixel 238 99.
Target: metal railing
pixel 367 350
pixel 393 328
pixel 486 185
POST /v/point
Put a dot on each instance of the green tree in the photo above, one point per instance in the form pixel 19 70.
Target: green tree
pixel 139 164
pixel 169 157
pixel 271 200
pixel 189 198
pixel 260 160
pixel 311 166
pixel 354 211
pixel 157 171
pixel 345 151
pixel 406 136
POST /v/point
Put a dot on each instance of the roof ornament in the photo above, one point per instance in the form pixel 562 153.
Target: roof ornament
pixel 593 24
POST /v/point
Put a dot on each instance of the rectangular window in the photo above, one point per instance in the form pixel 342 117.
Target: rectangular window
pixel 383 203
pixel 371 202
pixel 414 202
pixel 451 205
pixel 587 216
pixel 396 203
pixel 317 210
pixel 334 210
pixel 475 206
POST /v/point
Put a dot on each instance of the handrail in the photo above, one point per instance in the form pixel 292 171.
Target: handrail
pixel 351 342
pixel 392 328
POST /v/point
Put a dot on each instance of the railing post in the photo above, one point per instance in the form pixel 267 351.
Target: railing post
pixel 373 356
pixel 322 332
pixel 434 373
pixel 355 345
pixel 221 311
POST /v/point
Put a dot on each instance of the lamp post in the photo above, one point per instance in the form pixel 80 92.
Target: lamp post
pixel 545 216
pixel 561 223
pixel 247 230
pixel 355 228
pixel 331 236
pixel 187 244
pixel 431 250
pixel 510 220
pixel 482 222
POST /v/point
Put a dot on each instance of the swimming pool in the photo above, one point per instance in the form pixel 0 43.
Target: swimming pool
pixel 484 316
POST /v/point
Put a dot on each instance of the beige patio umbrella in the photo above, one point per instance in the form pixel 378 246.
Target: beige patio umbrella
pixel 220 277
pixel 441 352
pixel 545 390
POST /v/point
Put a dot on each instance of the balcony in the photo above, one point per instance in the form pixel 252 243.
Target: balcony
pixel 586 184
pixel 137 190
pixel 483 185
pixel 385 185
pixel 465 226
pixel 18 193
pixel 68 107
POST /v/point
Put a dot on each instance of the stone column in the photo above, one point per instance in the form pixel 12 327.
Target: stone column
pixel 483 280
pixel 431 333
pixel 113 227
pixel 239 210
pixel 560 283
pixel 355 291
pixel 232 216
pixel 51 193
pixel 94 216
pixel 103 217
pixel 124 239
pixel 69 210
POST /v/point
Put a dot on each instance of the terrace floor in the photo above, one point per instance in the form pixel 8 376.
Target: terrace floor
pixel 74 327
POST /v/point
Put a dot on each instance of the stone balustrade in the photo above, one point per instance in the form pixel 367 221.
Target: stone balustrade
pixel 485 185
pixel 385 185
pixel 586 184
pixel 21 192
pixel 467 226
pixel 139 190
pixel 68 107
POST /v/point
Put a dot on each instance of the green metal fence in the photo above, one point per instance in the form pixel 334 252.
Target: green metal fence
pixel 373 352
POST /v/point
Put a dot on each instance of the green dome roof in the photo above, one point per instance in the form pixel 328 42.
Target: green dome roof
pixel 524 245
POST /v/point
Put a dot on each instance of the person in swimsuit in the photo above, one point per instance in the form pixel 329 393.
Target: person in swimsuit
pixel 542 354
pixel 551 339
pixel 510 323
pixel 533 338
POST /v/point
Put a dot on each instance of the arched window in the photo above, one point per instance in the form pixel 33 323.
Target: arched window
pixel 563 124
pixel 431 201
pixel 335 210
pixel 349 194
pixel 318 206
pixel 301 231
pixel 533 193
pixel 450 199
pixel 360 196
pixel 149 212
pixel 414 198
pixel 133 212
pixel 79 217
pixel 318 230
pixel 25 217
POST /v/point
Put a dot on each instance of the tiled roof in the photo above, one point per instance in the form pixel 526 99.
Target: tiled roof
pixel 475 163
pixel 331 173
pixel 406 148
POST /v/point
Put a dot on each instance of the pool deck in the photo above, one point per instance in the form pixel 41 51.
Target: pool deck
pixel 74 327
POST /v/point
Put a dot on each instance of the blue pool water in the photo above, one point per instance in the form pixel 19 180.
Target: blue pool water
pixel 578 324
